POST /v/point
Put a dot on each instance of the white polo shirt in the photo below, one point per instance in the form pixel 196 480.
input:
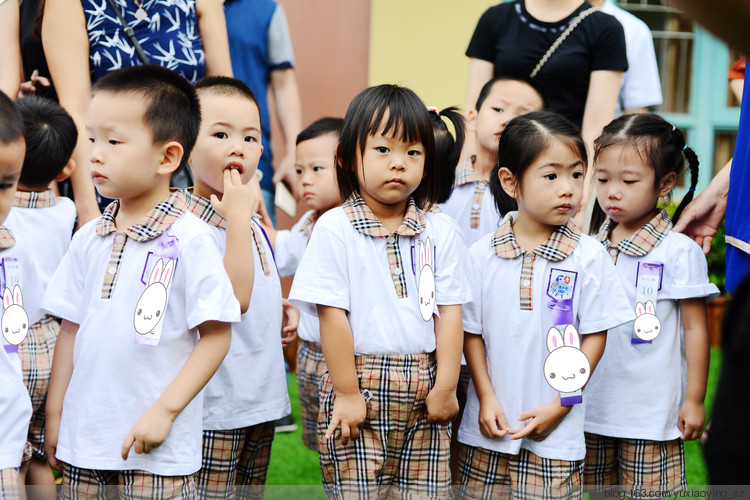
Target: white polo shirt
pixel 510 296
pixel 353 263
pixel 45 223
pixel 15 404
pixel 290 247
pixel 471 205
pixel 250 385
pixel 638 389
pixel 115 380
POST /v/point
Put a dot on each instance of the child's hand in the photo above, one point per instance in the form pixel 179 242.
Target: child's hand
pixel 543 421
pixel 442 405
pixel 238 199
pixel 51 431
pixel 349 411
pixel 289 323
pixel 492 421
pixel 691 419
pixel 149 431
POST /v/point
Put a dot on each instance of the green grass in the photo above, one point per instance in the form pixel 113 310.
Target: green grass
pixel 292 463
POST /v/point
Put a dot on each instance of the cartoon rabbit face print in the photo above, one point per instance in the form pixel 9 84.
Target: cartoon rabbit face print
pixel 149 310
pixel 646 326
pixel 566 368
pixel 15 322
pixel 426 283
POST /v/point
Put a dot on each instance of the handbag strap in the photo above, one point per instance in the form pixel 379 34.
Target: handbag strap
pixel 129 32
pixel 560 39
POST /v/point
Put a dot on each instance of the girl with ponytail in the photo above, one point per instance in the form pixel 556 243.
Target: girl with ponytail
pixel 641 402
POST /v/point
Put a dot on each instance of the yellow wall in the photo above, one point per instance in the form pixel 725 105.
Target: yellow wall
pixel 421 44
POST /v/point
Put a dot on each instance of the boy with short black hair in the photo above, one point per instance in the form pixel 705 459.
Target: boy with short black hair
pixel 238 417
pixel 471 204
pixel 143 297
pixel 45 222
pixel 15 406
pixel 316 182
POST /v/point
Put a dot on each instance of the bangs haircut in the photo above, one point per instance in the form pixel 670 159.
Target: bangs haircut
pixel 51 136
pixel 395 112
pixel 173 112
pixel 11 125
pixel 487 88
pixel 321 127
pixel 225 86
pixel 524 139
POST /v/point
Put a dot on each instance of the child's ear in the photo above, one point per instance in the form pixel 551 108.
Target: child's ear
pixel 67 171
pixel 667 184
pixel 508 182
pixel 172 153
pixel 471 120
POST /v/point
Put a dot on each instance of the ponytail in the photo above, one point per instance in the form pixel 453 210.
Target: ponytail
pixel 447 148
pixel 692 160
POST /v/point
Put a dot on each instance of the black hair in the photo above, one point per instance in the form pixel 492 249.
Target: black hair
pixel 173 112
pixel 487 88
pixel 320 127
pixel 11 126
pixel 225 85
pixel 524 139
pixel 659 145
pixel 400 113
pixel 447 149
pixel 51 136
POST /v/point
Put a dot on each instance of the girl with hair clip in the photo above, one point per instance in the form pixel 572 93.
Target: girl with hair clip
pixel 635 427
pixel 537 283
pixel 447 147
pixel 386 281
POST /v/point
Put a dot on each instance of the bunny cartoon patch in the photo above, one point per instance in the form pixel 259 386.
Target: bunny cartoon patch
pixel 149 311
pixel 646 326
pixel 15 321
pixel 566 369
pixel 426 281
pixel 647 285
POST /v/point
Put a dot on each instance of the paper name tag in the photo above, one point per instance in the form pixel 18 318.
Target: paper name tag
pixel 561 284
pixel 647 285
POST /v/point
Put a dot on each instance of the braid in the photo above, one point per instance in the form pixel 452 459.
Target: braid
pixel 692 160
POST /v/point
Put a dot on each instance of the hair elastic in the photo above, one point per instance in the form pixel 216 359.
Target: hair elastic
pixel 692 189
pixel 433 109
pixel 673 129
pixel 684 147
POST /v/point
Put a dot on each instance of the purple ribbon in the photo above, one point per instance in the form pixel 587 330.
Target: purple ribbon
pixel 168 246
pixel 562 311
pixel 570 400
pixel 10 348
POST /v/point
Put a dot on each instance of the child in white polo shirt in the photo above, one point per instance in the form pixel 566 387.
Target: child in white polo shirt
pixel 15 405
pixel 45 222
pixel 537 283
pixel 316 180
pixel 248 392
pixel 647 396
pixel 386 281
pixel 145 302
pixel 470 204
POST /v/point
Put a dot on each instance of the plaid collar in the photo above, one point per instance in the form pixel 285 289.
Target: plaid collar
pixel 558 246
pixel 309 222
pixel 153 225
pixel 30 199
pixel 642 241
pixel 465 172
pixel 201 207
pixel 364 221
pixel 7 239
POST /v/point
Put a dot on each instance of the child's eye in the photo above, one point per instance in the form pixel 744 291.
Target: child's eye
pixel 6 186
pixel 601 180
pixel 220 135
pixel 577 175
pixel 630 182
pixel 499 110
pixel 550 177
pixel 414 153
pixel 114 142
pixel 250 138
pixel 299 171
pixel 91 140
pixel 382 149
pixel 317 169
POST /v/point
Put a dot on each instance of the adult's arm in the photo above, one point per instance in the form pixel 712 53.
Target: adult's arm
pixel 66 46
pixel 289 111
pixel 212 27
pixel 10 51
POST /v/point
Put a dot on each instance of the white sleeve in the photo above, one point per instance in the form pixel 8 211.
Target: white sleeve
pixel 279 43
pixel 451 286
pixel 688 277
pixel 323 275
pixel 604 303
pixel 290 247
pixel 641 85
pixel 66 289
pixel 209 295
pixel 472 310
